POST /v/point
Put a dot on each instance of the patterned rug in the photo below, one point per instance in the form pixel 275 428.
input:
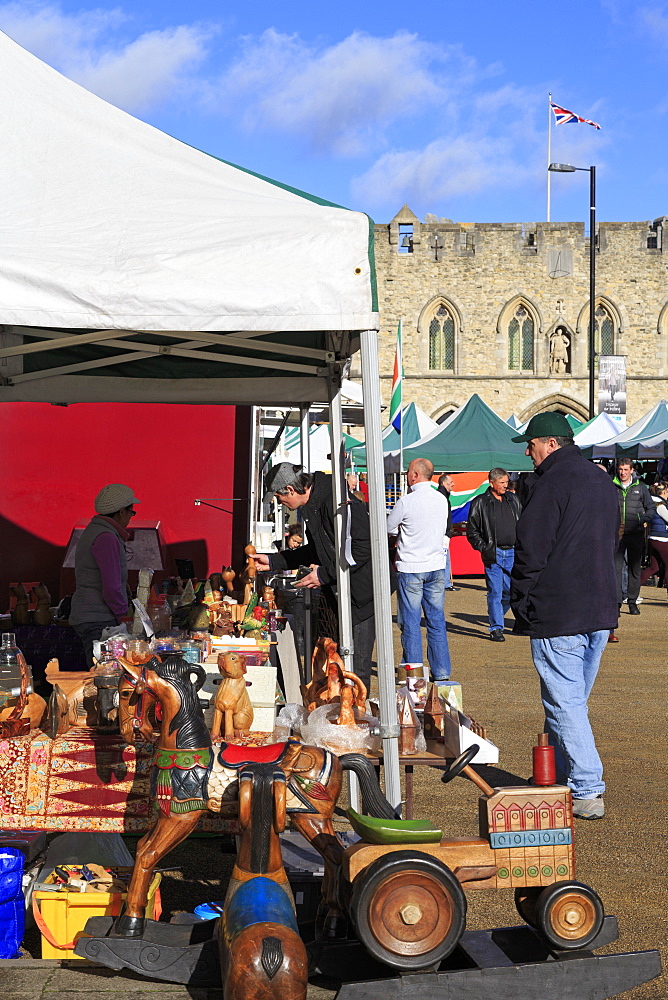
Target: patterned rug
pixel 82 781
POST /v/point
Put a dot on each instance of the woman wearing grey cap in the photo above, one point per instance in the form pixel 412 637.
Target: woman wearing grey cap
pixel 100 599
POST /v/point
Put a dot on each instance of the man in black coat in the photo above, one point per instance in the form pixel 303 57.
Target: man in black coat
pixel 491 529
pixel 636 508
pixel 311 494
pixel 564 595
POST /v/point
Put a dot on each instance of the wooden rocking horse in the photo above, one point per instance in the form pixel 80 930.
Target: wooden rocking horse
pixel 189 777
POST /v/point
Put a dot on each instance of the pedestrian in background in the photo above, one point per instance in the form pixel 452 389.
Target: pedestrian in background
pixel 420 519
pixel 564 595
pixel 636 509
pixel 491 530
pixel 446 485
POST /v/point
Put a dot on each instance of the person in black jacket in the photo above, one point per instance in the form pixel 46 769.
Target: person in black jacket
pixel 636 508
pixel 446 485
pixel 564 595
pixel 311 494
pixel 491 530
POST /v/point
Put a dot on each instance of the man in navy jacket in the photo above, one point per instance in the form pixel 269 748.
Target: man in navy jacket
pixel 564 595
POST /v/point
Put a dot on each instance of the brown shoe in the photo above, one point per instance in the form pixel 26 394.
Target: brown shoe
pixel 612 637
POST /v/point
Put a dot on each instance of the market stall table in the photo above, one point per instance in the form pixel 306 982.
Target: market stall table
pixel 437 753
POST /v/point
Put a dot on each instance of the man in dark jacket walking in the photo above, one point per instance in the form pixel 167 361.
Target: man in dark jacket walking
pixel 564 595
pixel 635 510
pixel 311 494
pixel 491 530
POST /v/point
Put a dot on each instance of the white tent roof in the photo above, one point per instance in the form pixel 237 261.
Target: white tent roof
pixel 600 428
pixel 110 225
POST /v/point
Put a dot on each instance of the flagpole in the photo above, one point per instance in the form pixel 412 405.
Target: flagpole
pixel 549 150
pixel 401 408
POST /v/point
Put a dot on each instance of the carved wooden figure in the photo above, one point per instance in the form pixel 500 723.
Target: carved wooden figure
pixel 269 597
pixel 42 615
pixel 249 574
pixel 233 711
pixel 262 956
pixel 326 689
pixel 409 727
pixel 228 576
pixel 21 614
pixel 433 715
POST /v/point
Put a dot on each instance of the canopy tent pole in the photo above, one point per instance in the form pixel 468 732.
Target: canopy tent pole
pixel 341 516
pixel 380 565
pixel 304 442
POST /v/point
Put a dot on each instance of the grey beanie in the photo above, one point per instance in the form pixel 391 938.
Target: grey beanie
pixel 113 498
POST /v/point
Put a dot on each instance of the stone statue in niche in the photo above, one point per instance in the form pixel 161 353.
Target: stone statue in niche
pixel 560 352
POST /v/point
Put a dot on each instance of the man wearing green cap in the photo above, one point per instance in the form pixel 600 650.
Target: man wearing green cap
pixel 564 595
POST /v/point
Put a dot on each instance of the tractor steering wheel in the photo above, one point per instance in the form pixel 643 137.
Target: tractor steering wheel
pixel 460 763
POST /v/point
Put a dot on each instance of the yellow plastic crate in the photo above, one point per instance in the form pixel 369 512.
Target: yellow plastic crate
pixel 61 916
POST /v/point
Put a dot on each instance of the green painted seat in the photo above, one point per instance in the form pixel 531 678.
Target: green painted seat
pixel 394 831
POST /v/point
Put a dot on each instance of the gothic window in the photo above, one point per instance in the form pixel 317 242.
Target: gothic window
pixel 442 340
pixel 520 341
pixel 604 338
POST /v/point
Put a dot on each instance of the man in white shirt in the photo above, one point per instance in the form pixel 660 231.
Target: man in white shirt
pixel 420 520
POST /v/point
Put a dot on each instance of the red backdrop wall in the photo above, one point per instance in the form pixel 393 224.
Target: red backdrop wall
pixel 55 459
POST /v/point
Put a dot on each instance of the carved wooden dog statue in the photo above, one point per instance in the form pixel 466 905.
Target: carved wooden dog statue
pixel 232 707
pixel 43 615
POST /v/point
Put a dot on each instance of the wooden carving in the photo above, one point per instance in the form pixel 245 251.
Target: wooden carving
pixel 42 615
pixel 409 727
pixel 328 686
pixel 433 715
pixel 233 711
pixel 21 611
pixel 228 576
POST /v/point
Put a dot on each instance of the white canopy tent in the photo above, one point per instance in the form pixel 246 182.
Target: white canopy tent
pixel 134 268
pixel 600 428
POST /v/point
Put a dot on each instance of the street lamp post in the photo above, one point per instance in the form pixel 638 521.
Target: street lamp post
pixel 567 168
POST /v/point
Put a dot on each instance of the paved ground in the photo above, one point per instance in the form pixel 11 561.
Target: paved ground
pixel 623 856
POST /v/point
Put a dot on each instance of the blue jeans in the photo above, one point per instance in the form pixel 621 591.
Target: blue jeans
pixel 418 592
pixel 448 568
pixel 567 666
pixel 497 578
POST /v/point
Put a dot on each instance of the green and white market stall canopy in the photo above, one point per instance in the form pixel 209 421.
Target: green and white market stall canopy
pixel 136 268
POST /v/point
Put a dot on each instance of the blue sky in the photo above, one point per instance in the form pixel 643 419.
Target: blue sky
pixel 439 104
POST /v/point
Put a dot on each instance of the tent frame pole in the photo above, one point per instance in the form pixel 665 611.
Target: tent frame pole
pixel 380 566
pixel 340 493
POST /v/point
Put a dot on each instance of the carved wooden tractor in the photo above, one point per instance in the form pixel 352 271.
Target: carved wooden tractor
pixel 404 885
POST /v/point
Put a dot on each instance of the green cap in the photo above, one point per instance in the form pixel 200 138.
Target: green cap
pixel 551 424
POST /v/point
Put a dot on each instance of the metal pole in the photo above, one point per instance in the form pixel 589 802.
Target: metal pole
pixel 549 152
pixel 592 286
pixel 380 565
pixel 304 440
pixel 340 493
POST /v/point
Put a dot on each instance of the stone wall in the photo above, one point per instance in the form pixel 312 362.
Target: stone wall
pixel 483 272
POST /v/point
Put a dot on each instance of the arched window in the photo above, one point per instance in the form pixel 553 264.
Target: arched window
pixel 442 340
pixel 520 341
pixel 604 337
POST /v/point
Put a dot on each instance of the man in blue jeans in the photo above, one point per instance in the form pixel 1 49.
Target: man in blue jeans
pixel 420 519
pixel 564 595
pixel 490 529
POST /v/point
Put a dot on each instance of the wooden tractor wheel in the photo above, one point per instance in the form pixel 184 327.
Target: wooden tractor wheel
pixel 569 915
pixel 408 909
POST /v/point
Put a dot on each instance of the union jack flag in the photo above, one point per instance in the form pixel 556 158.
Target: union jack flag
pixel 564 117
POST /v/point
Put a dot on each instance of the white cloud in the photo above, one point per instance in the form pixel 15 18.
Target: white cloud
pixel 446 168
pixel 339 99
pixel 135 74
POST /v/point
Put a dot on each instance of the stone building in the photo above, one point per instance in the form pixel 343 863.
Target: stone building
pixel 503 310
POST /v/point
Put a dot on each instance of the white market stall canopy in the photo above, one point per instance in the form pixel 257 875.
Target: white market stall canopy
pixel 136 268
pixel 647 438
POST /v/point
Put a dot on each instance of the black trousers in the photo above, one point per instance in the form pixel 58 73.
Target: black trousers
pixel 631 547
